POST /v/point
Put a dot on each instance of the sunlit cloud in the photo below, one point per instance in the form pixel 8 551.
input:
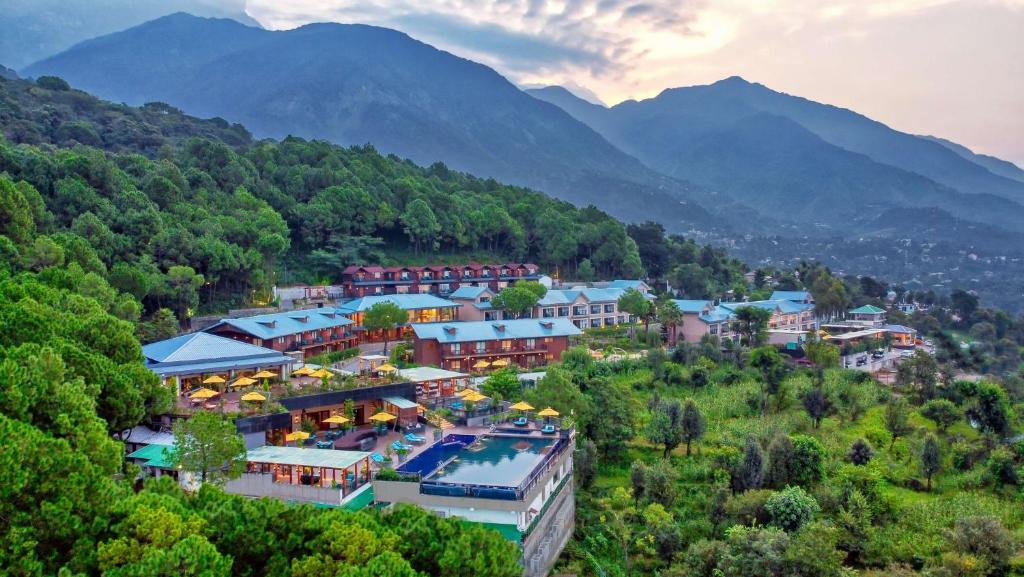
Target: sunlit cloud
pixel 886 58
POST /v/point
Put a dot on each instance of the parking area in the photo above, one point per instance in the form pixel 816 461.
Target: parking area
pixel 872 361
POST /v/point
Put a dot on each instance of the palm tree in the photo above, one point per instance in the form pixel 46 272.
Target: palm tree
pixel 671 318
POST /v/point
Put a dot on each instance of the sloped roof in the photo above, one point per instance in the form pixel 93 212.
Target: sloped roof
pixel 468 292
pixel 201 347
pixel 691 305
pixel 790 296
pixel 285 323
pixel 567 296
pixel 900 329
pixel 785 306
pixel 460 332
pixel 155 455
pixel 867 310
pixel 626 284
pixel 203 352
pixel 406 302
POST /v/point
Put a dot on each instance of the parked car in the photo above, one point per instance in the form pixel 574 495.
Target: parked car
pixel 906 354
pixel 878 354
pixel 861 361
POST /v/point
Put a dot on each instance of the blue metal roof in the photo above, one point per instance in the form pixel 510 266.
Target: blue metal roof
pixel 461 332
pixel 203 352
pixel 784 306
pixel 567 296
pixel 285 323
pixel 691 305
pixel 625 284
pixel 899 329
pixel 406 302
pixel 790 296
pixel 468 292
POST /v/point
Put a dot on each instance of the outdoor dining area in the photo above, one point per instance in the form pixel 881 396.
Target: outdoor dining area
pixel 292 473
pixel 242 393
pixel 523 421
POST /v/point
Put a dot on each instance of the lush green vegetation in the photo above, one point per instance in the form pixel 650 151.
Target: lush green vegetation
pixel 71 377
pixel 213 223
pixel 893 481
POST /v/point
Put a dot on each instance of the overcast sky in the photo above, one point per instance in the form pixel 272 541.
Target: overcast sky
pixel 945 67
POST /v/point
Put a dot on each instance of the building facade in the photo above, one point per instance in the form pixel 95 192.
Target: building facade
pixel 358 281
pixel 459 346
pixel 311 331
pixel 422 308
pixel 704 317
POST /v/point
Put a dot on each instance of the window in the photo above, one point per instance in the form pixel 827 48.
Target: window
pixel 405 275
pixel 378 290
pixel 506 345
pixel 485 299
pixel 455 365
pixel 491 316
pixel 595 323
pixel 563 311
pixel 609 308
pixel 548 313
pixel 376 275
pixel 456 348
pixel 713 329
pixel 609 321
pixel 579 310
pixel 530 344
pixel 446 274
pixel 580 324
pixel 595 309
pixel 481 346
pixel 280 340
pixel 445 287
pixel 621 319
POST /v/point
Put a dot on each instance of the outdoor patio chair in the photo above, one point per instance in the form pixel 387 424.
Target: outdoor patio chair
pixel 548 430
pixel 413 438
pixel 398 445
pixel 521 422
pixel 377 458
pixel 324 444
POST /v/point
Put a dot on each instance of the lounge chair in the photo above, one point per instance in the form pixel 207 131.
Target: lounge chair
pixel 414 438
pixel 398 445
pixel 377 458
pixel 325 444
pixel 521 421
pixel 548 430
pixel 457 405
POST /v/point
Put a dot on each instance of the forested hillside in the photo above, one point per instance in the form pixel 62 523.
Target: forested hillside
pixel 353 84
pixel 182 219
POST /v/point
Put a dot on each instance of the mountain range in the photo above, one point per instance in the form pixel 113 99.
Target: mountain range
pixel 355 84
pixel 733 157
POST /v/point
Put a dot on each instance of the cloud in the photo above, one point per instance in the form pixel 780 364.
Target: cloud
pixel 948 67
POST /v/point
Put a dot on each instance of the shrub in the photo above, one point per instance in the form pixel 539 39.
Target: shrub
pixel 808 460
pixel 860 452
pixel 986 539
pixel 1001 469
pixel 749 508
pixel 791 508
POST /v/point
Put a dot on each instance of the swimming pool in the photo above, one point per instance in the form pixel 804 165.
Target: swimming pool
pixel 494 461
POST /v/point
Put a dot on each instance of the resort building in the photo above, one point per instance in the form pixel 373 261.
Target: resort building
pixel 296 474
pixel 523 342
pixel 867 315
pixel 358 281
pixel 625 284
pixel 185 361
pixel 704 317
pixel 475 304
pixel 587 308
pixel 422 308
pixel 309 331
pixel 803 297
pixel 517 482
pixel 433 383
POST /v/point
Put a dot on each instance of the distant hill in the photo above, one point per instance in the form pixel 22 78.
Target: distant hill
pixel 7 73
pixel 795 159
pixel 34 29
pixel 993 164
pixel 354 84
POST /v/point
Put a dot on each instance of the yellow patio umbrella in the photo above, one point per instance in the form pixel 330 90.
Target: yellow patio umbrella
pixel 481 365
pixel 522 406
pixel 203 393
pixel 464 392
pixel 383 417
pixel 243 382
pixel 387 368
pixel 297 436
pixel 303 372
pixel 265 374
pixel 213 380
pixel 548 412
pixel 474 397
pixel 254 397
pixel 500 363
pixel 336 420
pixel 322 374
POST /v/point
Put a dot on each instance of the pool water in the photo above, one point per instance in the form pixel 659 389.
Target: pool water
pixel 497 461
